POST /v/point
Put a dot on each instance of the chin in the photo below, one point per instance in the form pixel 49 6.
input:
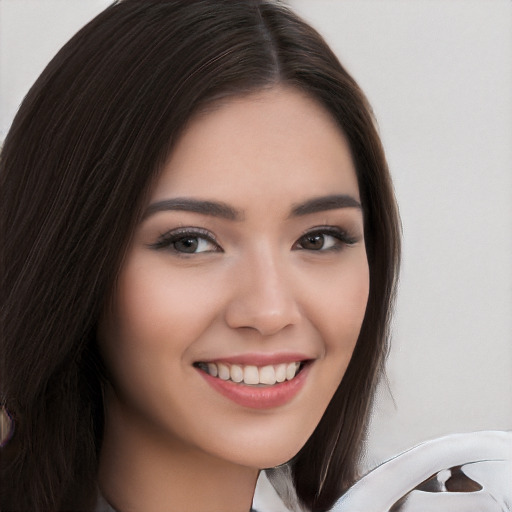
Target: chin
pixel 262 452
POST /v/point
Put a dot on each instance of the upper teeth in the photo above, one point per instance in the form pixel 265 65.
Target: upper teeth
pixel 250 374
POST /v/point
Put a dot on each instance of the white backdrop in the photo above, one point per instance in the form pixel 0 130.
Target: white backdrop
pixel 439 76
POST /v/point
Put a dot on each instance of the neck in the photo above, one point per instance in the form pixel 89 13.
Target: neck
pixel 144 471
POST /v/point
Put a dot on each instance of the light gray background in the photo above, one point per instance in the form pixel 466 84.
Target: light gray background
pixel 439 76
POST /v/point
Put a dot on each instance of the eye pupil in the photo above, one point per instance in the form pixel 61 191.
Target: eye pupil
pixel 188 244
pixel 313 242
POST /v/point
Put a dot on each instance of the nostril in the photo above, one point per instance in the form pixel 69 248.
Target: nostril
pixel 267 319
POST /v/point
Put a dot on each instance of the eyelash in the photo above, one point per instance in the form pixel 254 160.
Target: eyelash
pixel 342 236
pixel 167 240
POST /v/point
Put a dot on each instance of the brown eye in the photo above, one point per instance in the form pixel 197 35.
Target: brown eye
pixel 188 244
pixel 193 244
pixel 314 241
pixel 329 238
pixel 187 241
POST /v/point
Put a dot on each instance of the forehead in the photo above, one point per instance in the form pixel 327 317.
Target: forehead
pixel 277 145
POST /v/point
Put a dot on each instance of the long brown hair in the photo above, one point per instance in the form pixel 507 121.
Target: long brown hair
pixel 83 150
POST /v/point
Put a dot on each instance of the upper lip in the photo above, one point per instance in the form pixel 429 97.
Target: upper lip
pixel 260 359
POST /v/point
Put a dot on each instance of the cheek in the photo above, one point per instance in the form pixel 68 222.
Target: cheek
pixel 340 306
pixel 154 308
pixel 337 311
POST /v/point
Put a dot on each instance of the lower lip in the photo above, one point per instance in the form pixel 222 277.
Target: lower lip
pixel 254 397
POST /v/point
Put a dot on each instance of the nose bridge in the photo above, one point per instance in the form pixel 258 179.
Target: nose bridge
pixel 263 298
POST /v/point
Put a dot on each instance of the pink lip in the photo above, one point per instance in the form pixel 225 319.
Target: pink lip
pixel 254 397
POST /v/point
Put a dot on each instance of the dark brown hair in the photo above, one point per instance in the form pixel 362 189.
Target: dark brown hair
pixel 76 166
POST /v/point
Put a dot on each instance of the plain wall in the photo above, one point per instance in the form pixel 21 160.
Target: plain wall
pixel 439 76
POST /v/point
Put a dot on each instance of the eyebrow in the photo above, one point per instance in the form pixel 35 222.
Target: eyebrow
pixel 225 211
pixel 211 208
pixel 324 203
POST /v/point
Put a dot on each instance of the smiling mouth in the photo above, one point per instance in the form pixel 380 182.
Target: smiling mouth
pixel 252 375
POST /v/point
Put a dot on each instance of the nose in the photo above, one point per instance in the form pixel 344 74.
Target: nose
pixel 263 298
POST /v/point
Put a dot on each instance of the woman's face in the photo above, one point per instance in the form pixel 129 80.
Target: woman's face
pixel 249 265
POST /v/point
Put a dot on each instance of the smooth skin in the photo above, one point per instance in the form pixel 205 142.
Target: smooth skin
pixel 271 271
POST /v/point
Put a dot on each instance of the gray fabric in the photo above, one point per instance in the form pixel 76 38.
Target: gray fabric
pixel 103 506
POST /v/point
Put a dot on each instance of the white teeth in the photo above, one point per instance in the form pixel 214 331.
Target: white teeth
pixel 212 369
pixel 237 374
pixel 252 375
pixel 281 372
pixel 267 375
pixel 223 371
pixel 291 370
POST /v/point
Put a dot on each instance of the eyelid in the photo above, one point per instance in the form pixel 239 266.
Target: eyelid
pixel 345 236
pixel 165 240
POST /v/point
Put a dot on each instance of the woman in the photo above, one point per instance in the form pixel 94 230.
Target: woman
pixel 200 252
